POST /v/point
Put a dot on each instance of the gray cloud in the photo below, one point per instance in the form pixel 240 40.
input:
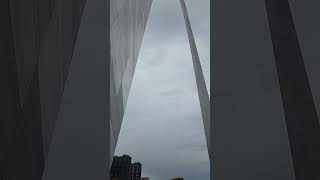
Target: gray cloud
pixel 162 127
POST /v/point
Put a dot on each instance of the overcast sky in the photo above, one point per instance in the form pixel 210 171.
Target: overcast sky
pixel 162 126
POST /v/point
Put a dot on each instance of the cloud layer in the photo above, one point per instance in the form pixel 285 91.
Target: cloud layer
pixel 162 126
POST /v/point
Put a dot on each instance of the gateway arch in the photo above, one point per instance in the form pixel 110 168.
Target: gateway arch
pixel 67 69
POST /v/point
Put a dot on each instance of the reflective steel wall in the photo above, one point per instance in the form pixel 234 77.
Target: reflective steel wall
pixel 63 64
pixel 308 33
pixel 127 24
pixel 37 44
pixel 264 72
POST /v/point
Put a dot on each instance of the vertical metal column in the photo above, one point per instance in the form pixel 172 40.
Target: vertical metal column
pixel 201 85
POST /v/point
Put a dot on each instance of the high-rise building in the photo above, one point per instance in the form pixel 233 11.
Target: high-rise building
pixel 121 168
pixel 177 178
pixel 135 170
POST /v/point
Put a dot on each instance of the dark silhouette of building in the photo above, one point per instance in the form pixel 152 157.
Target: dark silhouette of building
pixel 120 168
pixel 123 169
pixel 177 178
pixel 145 178
pixel 135 171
